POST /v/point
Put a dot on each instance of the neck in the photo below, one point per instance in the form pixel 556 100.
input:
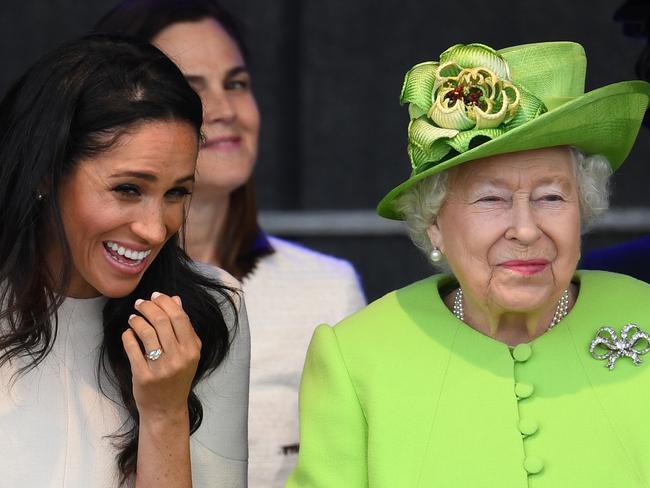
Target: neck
pixel 205 221
pixel 511 328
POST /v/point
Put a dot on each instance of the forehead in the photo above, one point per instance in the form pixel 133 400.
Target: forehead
pixel 199 45
pixel 166 148
pixel 518 168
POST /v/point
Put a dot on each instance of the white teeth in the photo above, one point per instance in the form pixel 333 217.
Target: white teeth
pixel 127 253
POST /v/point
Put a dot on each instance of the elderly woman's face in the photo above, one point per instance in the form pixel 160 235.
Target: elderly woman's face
pixel 120 207
pixel 510 228
pixel 215 68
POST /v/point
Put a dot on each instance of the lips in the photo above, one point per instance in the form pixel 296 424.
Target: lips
pixel 526 267
pixel 222 143
pixel 126 258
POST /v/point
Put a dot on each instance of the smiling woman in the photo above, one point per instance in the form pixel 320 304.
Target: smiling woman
pixel 511 368
pixel 121 362
pixel 120 207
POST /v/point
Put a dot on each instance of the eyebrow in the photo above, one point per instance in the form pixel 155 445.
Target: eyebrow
pixel 201 80
pixel 150 177
pixel 545 180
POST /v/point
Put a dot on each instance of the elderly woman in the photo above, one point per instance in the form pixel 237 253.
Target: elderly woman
pixel 121 362
pixel 513 369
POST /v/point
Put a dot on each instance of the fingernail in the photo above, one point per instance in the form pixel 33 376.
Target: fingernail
pixel 138 301
pixel 155 295
pixel 132 315
pixel 177 299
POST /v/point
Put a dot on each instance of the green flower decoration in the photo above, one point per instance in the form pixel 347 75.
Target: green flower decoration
pixel 467 94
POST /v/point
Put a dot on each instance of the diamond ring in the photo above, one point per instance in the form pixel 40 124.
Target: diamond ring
pixel 154 355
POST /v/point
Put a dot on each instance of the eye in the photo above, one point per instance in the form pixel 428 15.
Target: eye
pixel 491 199
pixel 178 193
pixel 238 84
pixel 127 190
pixel 552 198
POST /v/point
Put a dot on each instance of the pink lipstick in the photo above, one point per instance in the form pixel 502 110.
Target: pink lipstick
pixel 526 267
pixel 222 143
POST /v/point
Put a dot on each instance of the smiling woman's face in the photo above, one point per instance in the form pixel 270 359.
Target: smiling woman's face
pixel 510 229
pixel 120 207
pixel 215 68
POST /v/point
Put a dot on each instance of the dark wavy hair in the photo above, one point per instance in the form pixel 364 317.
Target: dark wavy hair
pixel 74 103
pixel 241 242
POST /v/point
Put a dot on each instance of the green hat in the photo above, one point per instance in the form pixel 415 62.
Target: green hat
pixel 477 102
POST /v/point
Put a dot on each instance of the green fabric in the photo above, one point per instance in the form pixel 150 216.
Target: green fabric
pixel 532 97
pixel 402 394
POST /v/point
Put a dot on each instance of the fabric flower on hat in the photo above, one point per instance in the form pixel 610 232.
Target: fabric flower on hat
pixel 468 94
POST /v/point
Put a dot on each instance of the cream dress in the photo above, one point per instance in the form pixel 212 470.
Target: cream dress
pixel 56 426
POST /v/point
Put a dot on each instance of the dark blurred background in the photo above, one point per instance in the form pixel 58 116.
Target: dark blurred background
pixel 327 76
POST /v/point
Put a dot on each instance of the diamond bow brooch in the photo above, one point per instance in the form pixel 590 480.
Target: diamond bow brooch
pixel 632 343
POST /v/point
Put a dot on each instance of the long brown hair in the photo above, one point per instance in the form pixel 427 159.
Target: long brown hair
pixel 74 103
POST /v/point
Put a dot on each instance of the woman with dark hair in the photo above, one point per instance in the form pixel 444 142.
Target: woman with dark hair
pixel 288 288
pixel 121 362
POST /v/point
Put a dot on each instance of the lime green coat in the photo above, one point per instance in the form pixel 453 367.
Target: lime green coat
pixel 402 394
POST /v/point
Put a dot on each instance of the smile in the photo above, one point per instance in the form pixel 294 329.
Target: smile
pixel 526 267
pixel 124 255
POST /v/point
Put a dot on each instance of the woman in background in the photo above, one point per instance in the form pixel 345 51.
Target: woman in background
pixel 288 288
pixel 121 362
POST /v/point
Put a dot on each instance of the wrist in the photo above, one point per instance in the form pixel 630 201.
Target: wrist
pixel 165 421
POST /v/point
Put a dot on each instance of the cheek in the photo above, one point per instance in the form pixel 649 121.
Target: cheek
pixel 85 216
pixel 473 236
pixel 249 115
pixel 174 218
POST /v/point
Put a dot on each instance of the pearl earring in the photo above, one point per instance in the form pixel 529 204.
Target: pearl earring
pixel 435 255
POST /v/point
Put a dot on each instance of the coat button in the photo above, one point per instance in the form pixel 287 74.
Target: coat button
pixel 522 352
pixel 528 426
pixel 533 464
pixel 523 390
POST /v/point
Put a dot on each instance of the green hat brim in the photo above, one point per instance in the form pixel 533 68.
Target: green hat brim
pixel 603 121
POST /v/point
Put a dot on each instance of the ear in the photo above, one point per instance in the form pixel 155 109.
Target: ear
pixel 435 236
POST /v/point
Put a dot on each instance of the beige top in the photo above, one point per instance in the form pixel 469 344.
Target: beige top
pixel 289 293
pixel 55 424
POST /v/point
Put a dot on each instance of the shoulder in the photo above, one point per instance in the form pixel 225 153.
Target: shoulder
pixel 222 276
pixel 291 254
pixel 611 286
pixel 398 313
pixel 218 274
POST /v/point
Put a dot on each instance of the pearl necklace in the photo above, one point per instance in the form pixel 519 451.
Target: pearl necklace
pixel 561 311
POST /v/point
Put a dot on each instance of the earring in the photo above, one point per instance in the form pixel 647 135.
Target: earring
pixel 435 255
pixel 39 196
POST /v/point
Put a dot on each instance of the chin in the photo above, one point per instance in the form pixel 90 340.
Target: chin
pixel 117 289
pixel 524 298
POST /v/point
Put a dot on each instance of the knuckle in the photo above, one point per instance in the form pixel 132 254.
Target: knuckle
pixel 178 316
pixel 159 319
pixel 149 335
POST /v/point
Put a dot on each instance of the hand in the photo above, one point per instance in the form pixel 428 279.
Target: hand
pixel 161 387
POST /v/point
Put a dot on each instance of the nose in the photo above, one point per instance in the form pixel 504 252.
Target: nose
pixel 523 226
pixel 217 106
pixel 150 226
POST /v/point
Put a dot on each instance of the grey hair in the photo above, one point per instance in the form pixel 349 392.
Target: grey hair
pixel 420 204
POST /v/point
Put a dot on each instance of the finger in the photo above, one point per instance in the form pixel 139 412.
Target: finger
pixel 133 351
pixel 180 321
pixel 160 321
pixel 145 332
